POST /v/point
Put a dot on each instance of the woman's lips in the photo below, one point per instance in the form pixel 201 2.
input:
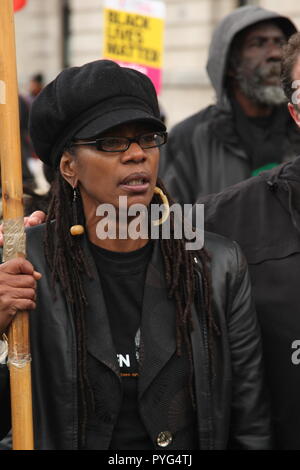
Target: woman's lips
pixel 136 186
pixel 136 183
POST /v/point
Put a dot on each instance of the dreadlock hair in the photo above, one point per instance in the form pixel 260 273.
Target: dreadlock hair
pixel 180 273
pixel 68 264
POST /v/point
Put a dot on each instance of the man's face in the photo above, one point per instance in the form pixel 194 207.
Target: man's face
pixel 294 106
pixel 259 65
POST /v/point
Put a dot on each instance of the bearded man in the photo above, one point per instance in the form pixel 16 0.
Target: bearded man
pixel 249 127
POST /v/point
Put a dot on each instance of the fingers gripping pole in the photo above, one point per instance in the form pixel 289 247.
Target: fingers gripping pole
pixel 14 245
pixel 14 238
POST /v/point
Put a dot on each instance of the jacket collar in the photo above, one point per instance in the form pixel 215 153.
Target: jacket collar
pixel 268 226
pixel 290 171
pixel 286 185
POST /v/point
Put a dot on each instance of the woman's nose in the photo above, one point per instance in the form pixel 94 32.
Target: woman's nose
pixel 134 153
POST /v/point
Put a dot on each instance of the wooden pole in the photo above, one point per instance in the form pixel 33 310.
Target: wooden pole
pixel 14 236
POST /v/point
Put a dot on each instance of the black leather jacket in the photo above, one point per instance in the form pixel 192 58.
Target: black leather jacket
pixel 264 214
pixel 232 410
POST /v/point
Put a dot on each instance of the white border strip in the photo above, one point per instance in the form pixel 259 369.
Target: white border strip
pixel 152 8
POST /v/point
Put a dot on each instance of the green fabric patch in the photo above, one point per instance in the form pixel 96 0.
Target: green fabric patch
pixel 268 166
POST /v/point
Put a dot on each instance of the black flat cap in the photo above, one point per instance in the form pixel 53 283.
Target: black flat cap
pixel 83 102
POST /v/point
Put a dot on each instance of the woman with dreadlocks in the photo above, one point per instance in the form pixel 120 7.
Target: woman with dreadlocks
pixel 137 343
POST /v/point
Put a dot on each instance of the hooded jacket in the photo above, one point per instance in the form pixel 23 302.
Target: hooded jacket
pixel 263 215
pixel 204 153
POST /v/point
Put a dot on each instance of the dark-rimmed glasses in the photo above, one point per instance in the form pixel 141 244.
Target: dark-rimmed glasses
pixel 121 144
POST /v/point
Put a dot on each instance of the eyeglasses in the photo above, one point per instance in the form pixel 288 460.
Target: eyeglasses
pixel 121 144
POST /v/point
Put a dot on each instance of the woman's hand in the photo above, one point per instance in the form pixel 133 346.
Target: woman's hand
pixel 36 218
pixel 17 289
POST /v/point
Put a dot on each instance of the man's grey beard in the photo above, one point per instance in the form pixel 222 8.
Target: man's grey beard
pixel 253 87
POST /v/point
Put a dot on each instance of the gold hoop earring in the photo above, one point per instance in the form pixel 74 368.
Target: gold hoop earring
pixel 165 202
pixel 76 229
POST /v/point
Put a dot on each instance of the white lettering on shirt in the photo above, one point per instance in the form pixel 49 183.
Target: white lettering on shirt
pixel 123 360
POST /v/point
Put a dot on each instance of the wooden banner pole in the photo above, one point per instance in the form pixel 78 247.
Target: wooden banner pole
pixel 14 237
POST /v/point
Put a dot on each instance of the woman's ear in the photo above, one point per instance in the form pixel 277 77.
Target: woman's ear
pixel 68 168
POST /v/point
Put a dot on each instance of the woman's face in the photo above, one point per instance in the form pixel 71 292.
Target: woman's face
pixel 103 177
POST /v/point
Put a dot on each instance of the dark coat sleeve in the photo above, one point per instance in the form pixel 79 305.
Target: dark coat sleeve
pixel 5 418
pixel 176 171
pixel 250 426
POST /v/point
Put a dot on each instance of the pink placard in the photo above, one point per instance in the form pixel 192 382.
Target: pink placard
pixel 153 73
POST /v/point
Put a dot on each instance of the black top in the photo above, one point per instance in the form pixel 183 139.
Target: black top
pixel 122 277
pixel 262 138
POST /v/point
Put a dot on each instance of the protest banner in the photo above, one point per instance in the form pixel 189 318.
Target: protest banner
pixel 133 35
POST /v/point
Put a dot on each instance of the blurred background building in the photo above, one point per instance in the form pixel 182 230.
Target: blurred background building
pixel 55 34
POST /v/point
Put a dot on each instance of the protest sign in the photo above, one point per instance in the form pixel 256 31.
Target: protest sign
pixel 133 35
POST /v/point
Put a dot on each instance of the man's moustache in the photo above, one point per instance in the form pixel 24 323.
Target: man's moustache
pixel 268 71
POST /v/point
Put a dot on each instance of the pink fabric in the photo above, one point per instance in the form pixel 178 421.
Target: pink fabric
pixel 153 73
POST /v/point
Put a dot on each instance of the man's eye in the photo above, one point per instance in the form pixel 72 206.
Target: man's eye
pixel 259 42
pixel 149 138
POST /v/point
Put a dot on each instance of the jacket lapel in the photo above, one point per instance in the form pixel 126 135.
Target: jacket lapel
pixel 99 338
pixel 158 322
pixel 158 325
